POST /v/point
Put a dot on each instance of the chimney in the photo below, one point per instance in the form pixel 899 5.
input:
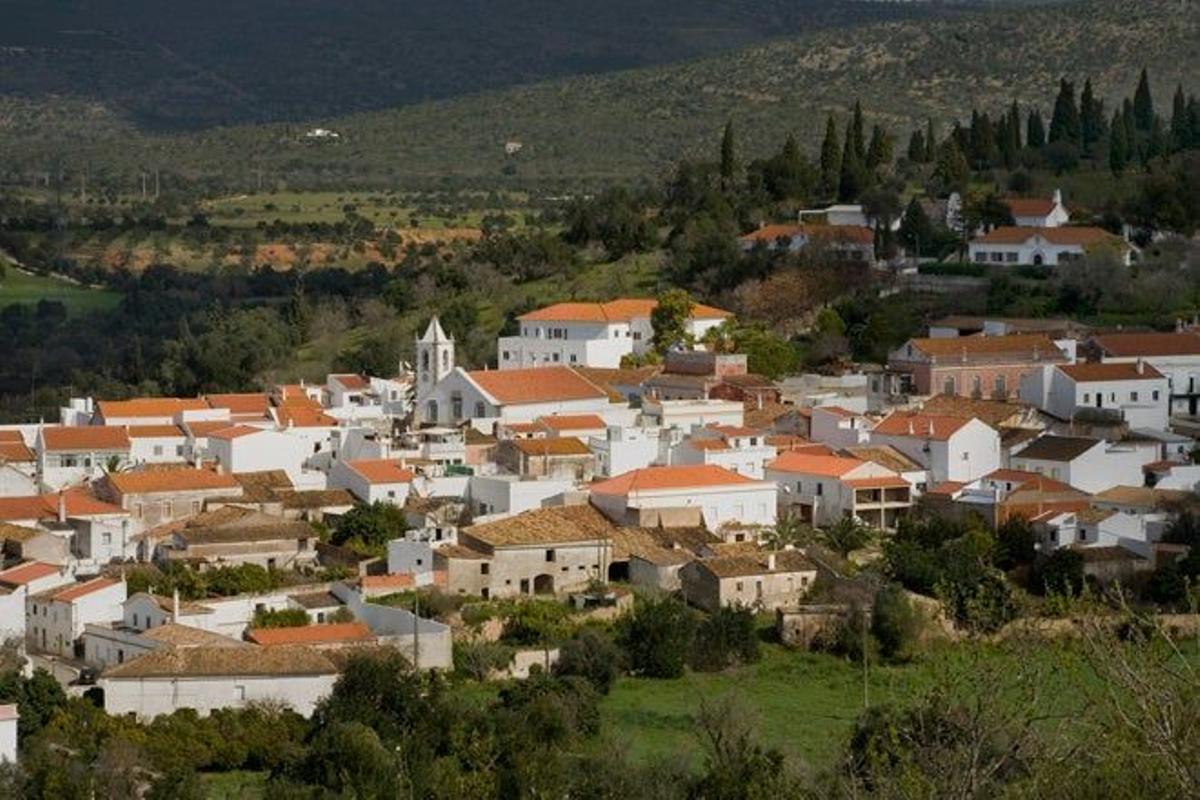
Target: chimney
pixel 1058 197
pixel 1141 367
pixel 910 427
pixel 175 606
pixel 62 507
pixel 760 401
pixel 770 562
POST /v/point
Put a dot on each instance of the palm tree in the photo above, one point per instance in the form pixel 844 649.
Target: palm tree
pixel 789 530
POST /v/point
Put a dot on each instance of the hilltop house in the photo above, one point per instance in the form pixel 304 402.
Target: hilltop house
pixel 1039 212
pixel 1175 355
pixel 685 495
pixel 822 489
pixel 592 334
pixel 1017 246
pixel 951 448
pixel 71 455
pixel 763 581
pixel 1135 393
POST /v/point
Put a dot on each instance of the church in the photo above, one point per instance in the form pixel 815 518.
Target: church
pixel 449 395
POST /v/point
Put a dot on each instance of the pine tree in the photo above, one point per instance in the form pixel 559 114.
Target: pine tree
pixel 728 157
pixel 1143 105
pixel 1091 118
pixel 831 159
pixel 1118 147
pixel 916 147
pixel 856 135
pixel 879 152
pixel 930 142
pixel 1064 123
pixel 1035 131
pixel 1180 130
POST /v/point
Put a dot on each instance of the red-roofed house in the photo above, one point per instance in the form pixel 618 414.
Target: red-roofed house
pixel 17 583
pixel 154 497
pixel 510 395
pixel 242 448
pixel 1028 246
pixel 147 410
pixel 373 481
pixel 1038 212
pixel 1176 355
pixel 984 367
pixel 854 243
pixel 329 635
pixel 157 444
pixel 951 448
pixel 71 454
pixel 685 495
pixel 591 334
pixel 55 618
pixel 824 489
pixel 1133 392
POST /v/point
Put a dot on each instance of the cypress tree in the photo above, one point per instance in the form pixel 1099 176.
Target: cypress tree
pixel 1064 123
pixel 1156 141
pixel 1193 122
pixel 1035 131
pixel 1180 137
pixel 831 159
pixel 930 142
pixel 1091 117
pixel 916 147
pixel 983 142
pixel 1133 146
pixel 1118 147
pixel 879 152
pixel 1143 105
pixel 851 180
pixel 856 136
pixel 1014 125
pixel 728 156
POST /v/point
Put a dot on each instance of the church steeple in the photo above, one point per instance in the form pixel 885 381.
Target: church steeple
pixel 435 356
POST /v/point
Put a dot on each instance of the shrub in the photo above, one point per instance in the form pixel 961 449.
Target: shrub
pixel 724 639
pixel 281 618
pixel 536 622
pixel 478 660
pixel 592 656
pixel 895 623
pixel 1060 573
pixel 657 637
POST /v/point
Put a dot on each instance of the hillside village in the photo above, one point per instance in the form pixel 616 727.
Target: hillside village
pixel 568 473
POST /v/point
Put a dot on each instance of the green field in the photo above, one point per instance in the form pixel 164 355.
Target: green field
pixel 22 287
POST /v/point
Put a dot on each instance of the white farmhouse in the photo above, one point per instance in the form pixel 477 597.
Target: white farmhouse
pixel 839 427
pixel 156 444
pixel 823 489
pixel 241 448
pixel 1175 355
pixel 1039 212
pixel 711 494
pixel 1135 392
pixel 1090 465
pixel 951 448
pixel 592 334
pixel 68 456
pixel 1016 246
pixel 55 619
pixel 373 481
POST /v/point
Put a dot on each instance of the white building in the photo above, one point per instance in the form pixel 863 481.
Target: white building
pixel 821 489
pixel 592 334
pixel 1039 212
pixel 623 449
pixel 242 448
pixel 1134 392
pixel 9 716
pixel 68 456
pixel 513 395
pixel 952 449
pixel 1090 465
pixel 54 619
pixel 148 410
pixel 715 496
pixel 1175 355
pixel 17 583
pixel 495 496
pixel 839 427
pixel 737 449
pixel 205 679
pixel 1016 246
pixel 688 414
pixel 373 481
pixel 156 444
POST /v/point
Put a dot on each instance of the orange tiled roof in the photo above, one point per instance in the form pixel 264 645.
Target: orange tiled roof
pixel 352 382
pixel 553 446
pixel 708 444
pixel 814 464
pixel 203 428
pixel 27 572
pixel 619 310
pixel 537 385
pixel 69 594
pixel 1064 236
pixel 572 422
pixel 45 506
pixel 1021 345
pixel 881 482
pixel 304 417
pixel 396 580
pixel 15 451
pixel 856 234
pixel 62 438
pixel 945 488
pixel 150 406
pixel 241 404
pixel 180 479
pixel 1095 372
pixel 772 233
pixel 233 432
pixel 381 470
pixel 925 426
pixel 1184 343
pixel 311 634
pixel 676 477
pixel 1030 206
pixel 153 431
pixel 1017 476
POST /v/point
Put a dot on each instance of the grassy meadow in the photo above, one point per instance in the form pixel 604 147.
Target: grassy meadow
pixel 25 288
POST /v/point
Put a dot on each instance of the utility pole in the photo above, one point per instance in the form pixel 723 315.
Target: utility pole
pixel 416 629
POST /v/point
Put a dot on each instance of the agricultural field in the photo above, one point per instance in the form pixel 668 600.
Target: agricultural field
pixel 25 288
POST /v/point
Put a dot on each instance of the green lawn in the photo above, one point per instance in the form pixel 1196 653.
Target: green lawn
pixel 21 287
pixel 235 785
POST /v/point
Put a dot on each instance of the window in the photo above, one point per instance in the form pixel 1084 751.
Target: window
pixel 507 356
pixel 1133 396
pixel 820 488
pixel 158 450
pixel 1000 388
pixel 479 409
pixel 483 568
pixel 1087 397
pixel 1154 394
pixel 550 555
pixel 555 358
pixel 980 257
pixel 1011 258
pixel 977 387
pixel 573 358
pixel 106 538
pixel 949 386
pixel 997 257
pixel 739 586
pixel 456 405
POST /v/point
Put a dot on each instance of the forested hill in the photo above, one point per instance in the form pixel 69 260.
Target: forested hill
pixel 194 63
pixel 636 123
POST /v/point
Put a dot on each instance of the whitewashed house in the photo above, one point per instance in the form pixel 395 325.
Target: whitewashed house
pixel 951 448
pixel 68 456
pixel 736 448
pixel 1133 392
pixel 1017 246
pixel 839 427
pixel 1090 465
pixel 55 618
pixel 622 449
pixel 687 414
pixel 591 334
pixel 373 481
pixel 9 716
pixel 17 583
pixel 709 494
pixel 822 489
pixel 157 444
pixel 242 448
pixel 1039 212
pixel 1175 355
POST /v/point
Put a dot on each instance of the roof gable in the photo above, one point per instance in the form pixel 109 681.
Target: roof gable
pixel 537 385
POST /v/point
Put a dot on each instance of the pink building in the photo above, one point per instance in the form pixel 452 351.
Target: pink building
pixel 987 367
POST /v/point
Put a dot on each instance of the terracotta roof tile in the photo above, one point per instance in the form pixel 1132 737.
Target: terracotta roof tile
pixel 924 426
pixel 303 417
pixel 60 438
pixel 16 451
pixel 538 385
pixel 1018 346
pixel 381 470
pixel 581 523
pixel 1121 371
pixel 179 479
pixel 45 506
pixel 1062 236
pixel 809 464
pixel 352 382
pixel 337 632
pixel 229 432
pixel 573 422
pixel 1124 345
pixel 27 572
pixel 674 477
pixel 241 404
pixel 1030 206
pixel 746 565
pixel 150 407
pixel 1057 448
pixel 282 661
pixel 620 310
pixel 154 431
pixel 552 446
pixel 74 591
